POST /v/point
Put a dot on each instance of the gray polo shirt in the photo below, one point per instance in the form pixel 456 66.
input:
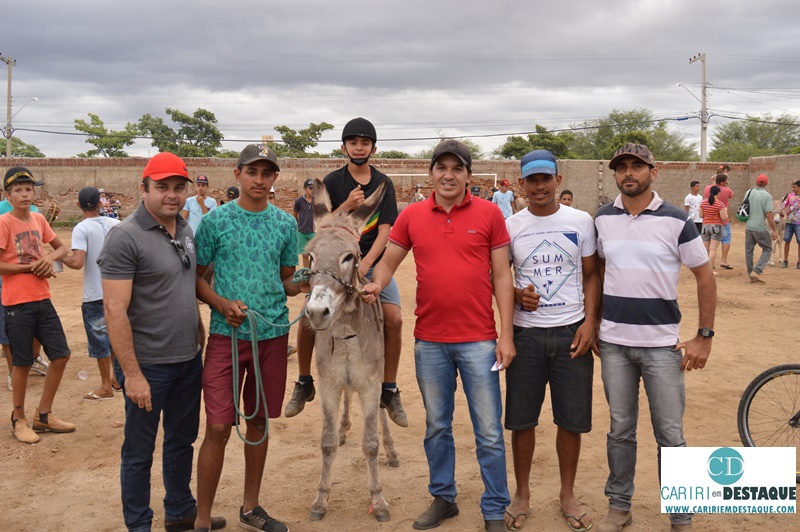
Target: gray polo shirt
pixel 163 307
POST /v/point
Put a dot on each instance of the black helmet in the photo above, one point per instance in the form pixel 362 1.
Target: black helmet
pixel 359 127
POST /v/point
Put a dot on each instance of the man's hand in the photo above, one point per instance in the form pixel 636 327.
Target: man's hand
pixel 232 310
pixel 696 353
pixel 43 267
pixel 505 352
pixel 138 390
pixel 584 339
pixel 527 297
pixel 354 200
pixel 370 293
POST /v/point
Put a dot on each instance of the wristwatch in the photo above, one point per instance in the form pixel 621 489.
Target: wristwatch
pixel 705 332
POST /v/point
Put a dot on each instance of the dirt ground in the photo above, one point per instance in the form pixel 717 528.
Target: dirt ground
pixel 71 481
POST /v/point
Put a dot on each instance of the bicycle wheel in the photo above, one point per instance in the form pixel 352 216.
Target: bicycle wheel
pixel 770 409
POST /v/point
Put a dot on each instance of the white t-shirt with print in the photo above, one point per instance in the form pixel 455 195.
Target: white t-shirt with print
pixel 546 252
pixel 693 201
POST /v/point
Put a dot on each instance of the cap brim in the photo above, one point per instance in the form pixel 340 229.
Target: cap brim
pixel 35 183
pixel 277 168
pixel 166 175
pixel 460 158
pixel 615 160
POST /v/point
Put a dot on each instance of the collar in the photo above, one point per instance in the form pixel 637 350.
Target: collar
pixel 654 204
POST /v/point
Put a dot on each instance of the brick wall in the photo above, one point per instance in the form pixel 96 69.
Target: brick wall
pixel 590 181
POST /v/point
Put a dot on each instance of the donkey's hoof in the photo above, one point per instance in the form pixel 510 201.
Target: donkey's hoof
pixel 394 461
pixel 381 512
pixel 317 515
pixel 342 439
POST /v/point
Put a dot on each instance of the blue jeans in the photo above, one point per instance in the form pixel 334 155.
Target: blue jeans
pixel 622 369
pixel 94 322
pixel 438 366
pixel 175 391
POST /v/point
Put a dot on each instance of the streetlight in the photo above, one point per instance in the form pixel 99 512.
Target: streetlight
pixel 34 99
pixel 703 111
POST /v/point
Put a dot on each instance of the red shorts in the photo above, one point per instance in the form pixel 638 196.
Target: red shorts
pixel 218 377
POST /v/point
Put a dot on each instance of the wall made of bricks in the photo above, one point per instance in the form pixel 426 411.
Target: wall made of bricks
pixel 592 182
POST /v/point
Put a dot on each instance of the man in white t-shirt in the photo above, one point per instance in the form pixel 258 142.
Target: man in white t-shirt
pixel 87 241
pixel 198 206
pixel 557 288
pixel 691 204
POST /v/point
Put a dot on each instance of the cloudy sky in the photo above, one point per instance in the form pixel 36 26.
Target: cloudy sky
pixel 415 68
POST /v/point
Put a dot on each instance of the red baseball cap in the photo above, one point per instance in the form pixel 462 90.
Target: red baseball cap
pixel 165 165
pixel 505 183
pixel 762 180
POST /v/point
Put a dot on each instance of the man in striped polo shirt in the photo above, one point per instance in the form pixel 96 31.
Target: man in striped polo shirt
pixel 642 242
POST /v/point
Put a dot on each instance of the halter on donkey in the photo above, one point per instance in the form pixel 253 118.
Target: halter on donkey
pixel 349 343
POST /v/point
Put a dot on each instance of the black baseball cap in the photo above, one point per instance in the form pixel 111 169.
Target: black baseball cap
pixel 19 174
pixel 89 198
pixel 232 192
pixel 455 147
pixel 258 152
pixel 309 183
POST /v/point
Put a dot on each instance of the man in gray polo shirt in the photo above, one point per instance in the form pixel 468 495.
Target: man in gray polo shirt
pixel 148 270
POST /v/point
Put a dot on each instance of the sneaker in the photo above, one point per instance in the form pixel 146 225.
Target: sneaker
pixel 437 512
pixel 290 350
pixel 784 264
pixel 40 365
pixel 391 402
pixel 755 277
pixel 22 432
pixel 303 393
pixel 50 423
pixel 188 524
pixel 258 519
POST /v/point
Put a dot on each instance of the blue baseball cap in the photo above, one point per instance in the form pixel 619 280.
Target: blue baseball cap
pixel 538 162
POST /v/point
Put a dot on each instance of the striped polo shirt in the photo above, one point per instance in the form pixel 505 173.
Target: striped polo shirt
pixel 643 256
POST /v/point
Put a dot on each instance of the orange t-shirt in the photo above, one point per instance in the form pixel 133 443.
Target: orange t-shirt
pixel 23 243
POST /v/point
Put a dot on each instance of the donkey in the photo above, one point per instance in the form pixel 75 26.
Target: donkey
pixel 349 343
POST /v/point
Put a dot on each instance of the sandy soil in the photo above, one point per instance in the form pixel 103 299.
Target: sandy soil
pixel 71 481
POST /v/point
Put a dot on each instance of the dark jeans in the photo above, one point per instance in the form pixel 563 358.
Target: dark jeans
pixel 175 392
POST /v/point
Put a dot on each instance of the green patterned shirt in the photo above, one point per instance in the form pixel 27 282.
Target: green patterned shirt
pixel 248 250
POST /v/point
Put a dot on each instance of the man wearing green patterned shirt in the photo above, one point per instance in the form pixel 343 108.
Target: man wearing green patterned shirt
pixel 253 246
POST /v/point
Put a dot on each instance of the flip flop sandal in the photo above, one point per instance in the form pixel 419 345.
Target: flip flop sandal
pixel 577 519
pixel 515 517
pixel 91 396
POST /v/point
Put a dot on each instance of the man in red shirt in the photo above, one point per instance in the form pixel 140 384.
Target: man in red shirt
pixel 461 255
pixel 725 195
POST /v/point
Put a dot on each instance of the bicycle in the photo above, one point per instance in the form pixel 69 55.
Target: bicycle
pixel 769 411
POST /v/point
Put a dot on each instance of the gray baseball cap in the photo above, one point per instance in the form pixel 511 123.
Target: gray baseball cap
pixel 258 152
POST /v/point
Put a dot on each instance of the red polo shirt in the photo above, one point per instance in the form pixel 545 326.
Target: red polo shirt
pixel 452 256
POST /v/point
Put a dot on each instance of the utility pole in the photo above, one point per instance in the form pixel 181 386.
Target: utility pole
pixel 10 61
pixel 703 110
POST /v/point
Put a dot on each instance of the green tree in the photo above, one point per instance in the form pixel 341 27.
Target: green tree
pixel 196 135
pixel 516 147
pixel 600 138
pixel 755 136
pixel 228 154
pixel 23 149
pixel 392 154
pixel 107 143
pixel 296 142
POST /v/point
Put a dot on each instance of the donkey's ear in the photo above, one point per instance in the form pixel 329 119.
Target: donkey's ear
pixel 320 201
pixel 368 208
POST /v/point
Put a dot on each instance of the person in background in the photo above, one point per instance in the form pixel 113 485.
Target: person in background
pixel 565 198
pixel 87 241
pixel 791 210
pixel 759 229
pixel 691 204
pixel 504 198
pixel 725 195
pixel 230 195
pixel 198 206
pixel 303 212
pixel 713 214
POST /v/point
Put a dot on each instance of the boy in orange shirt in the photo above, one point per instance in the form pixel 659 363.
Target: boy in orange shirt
pixel 29 313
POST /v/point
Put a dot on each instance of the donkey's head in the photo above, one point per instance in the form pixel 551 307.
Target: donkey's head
pixel 335 257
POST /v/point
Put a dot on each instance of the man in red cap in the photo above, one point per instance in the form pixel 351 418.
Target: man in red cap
pixel 504 199
pixel 759 229
pixel 148 270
